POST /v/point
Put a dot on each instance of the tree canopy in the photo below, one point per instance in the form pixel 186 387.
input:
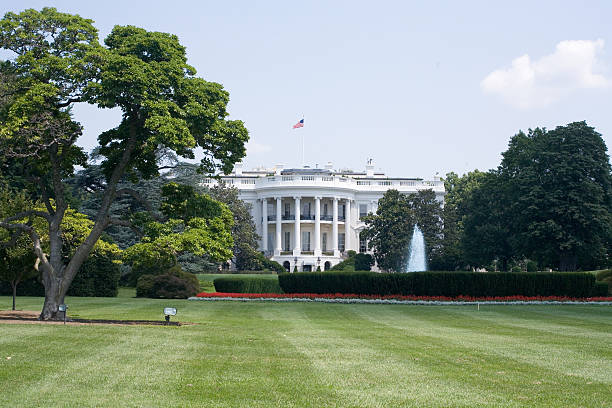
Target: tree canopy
pixel 56 62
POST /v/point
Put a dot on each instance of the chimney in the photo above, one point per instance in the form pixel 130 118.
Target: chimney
pixel 278 169
pixel 329 166
pixel 238 169
pixel 370 168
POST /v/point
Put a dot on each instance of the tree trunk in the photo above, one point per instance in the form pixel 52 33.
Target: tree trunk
pixel 53 298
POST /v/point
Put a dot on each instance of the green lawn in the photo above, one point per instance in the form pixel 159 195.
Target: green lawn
pixel 309 355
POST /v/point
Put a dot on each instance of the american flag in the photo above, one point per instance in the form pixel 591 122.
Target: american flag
pixel 299 124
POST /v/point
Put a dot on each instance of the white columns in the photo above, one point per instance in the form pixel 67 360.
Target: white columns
pixel 297 246
pixel 347 225
pixel 317 231
pixel 335 227
pixel 264 231
pixel 279 225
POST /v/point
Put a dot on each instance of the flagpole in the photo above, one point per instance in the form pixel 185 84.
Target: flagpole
pixel 303 161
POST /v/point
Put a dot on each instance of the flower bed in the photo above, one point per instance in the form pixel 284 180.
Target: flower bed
pixel 353 298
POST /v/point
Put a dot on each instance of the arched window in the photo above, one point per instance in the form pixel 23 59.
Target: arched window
pixel 286 265
pixel 327 266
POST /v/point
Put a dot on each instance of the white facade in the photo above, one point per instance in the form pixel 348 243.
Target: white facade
pixel 309 218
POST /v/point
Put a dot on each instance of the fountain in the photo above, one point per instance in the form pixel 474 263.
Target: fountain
pixel 416 252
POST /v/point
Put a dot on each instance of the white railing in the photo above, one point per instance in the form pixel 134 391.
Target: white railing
pixel 331 181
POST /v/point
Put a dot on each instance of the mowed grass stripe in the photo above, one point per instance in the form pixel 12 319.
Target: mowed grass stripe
pixel 519 372
pixel 91 366
pixel 594 333
pixel 369 367
pixel 248 362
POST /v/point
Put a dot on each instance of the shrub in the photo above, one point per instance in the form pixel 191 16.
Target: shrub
pixel 144 286
pixel 516 269
pixel 244 284
pixel 244 272
pixel 531 266
pixel 363 262
pixel 174 283
pixel 172 287
pixel 30 287
pixel 99 275
pixel 441 283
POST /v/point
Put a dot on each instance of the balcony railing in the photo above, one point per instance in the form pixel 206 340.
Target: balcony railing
pixel 271 217
pixel 288 217
pixel 307 217
pixel 327 218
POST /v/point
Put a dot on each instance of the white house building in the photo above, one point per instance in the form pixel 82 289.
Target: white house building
pixel 310 217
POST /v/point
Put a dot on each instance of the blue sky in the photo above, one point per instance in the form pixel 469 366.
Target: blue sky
pixel 420 87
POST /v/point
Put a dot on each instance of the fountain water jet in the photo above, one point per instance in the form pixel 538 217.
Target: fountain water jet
pixel 417 261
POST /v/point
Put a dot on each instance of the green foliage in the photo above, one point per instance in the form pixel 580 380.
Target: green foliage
pixel 516 269
pixel 531 266
pixel 205 230
pixel 389 231
pixel 605 277
pixel 458 190
pixel 146 75
pixel 363 262
pixel 16 256
pixel 347 265
pixel 55 62
pixel 600 289
pixel 174 283
pixel 560 196
pixel 144 286
pixel 240 284
pixel 99 275
pixel 441 283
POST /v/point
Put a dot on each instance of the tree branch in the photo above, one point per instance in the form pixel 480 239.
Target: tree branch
pixel 68 102
pixel 25 214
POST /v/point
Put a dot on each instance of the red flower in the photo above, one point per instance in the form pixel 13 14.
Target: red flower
pixel 460 298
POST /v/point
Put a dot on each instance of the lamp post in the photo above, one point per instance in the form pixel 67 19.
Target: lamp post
pixel 169 311
pixel 63 308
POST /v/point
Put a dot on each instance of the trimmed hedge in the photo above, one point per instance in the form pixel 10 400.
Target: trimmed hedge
pixel 243 284
pixel 577 285
pixel 600 289
pixel 245 272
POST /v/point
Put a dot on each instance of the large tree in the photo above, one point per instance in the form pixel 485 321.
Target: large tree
pixel 389 231
pixel 559 190
pixel 458 191
pixel 57 62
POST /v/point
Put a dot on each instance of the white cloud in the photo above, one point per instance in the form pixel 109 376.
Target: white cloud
pixel 528 84
pixel 255 148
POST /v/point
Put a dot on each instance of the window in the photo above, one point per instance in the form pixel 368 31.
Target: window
pixel 363 244
pixel 270 242
pixel 306 209
pixel 305 241
pixel 287 209
pixel 341 242
pixel 287 246
pixel 324 242
pixel 363 210
pixel 325 210
pixel 271 211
